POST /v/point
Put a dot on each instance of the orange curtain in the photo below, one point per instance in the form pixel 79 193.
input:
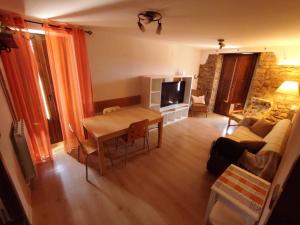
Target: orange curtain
pixel 64 71
pixel 84 73
pixel 22 77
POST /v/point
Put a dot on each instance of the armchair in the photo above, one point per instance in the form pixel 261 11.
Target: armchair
pixel 199 107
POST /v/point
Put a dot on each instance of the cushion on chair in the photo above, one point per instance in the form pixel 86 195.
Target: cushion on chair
pixel 262 127
pixel 198 99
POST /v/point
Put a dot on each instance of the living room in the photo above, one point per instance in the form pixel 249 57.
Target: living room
pixel 82 74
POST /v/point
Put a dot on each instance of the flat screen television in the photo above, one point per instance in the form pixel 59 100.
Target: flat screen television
pixel 172 93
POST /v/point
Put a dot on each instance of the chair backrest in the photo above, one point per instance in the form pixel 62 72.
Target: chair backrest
pixel 137 130
pixel 197 92
pixel 111 109
pixel 73 132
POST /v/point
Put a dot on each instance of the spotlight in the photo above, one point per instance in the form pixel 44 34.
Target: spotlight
pixel 141 26
pixel 148 17
pixel 159 27
pixel 221 43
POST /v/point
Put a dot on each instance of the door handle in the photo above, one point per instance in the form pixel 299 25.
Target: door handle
pixel 231 83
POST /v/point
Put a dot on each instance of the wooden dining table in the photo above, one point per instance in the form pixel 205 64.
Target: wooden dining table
pixel 116 124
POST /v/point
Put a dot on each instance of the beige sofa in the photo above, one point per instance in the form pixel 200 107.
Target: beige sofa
pixel 265 162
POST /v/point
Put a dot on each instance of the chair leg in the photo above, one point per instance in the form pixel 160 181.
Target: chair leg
pixel 78 153
pixel 116 143
pixel 111 161
pixel 228 125
pixel 229 122
pixel 110 156
pixel 125 159
pixel 147 142
pixel 86 168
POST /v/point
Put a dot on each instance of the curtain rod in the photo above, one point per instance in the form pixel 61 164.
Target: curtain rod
pixel 89 32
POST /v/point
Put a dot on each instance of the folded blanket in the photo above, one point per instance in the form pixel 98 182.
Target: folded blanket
pixel 263 164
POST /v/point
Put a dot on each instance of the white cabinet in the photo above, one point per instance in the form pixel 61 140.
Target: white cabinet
pixel 151 97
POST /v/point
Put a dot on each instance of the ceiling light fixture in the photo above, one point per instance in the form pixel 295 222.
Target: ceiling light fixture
pixel 148 17
pixel 221 43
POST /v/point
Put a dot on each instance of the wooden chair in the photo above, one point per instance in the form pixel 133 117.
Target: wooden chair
pixel 257 108
pixel 136 131
pixel 198 107
pixel 110 110
pixel 87 146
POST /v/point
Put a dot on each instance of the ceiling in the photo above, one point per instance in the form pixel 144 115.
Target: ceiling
pixel 251 23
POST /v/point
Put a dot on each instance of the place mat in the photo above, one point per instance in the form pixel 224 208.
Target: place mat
pixel 245 188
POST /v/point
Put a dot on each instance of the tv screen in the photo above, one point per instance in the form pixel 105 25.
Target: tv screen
pixel 172 93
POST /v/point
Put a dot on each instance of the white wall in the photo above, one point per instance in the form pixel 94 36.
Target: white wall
pixel 117 61
pixel 9 158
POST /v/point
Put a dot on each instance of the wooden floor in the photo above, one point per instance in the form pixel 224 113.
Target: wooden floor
pixel 168 186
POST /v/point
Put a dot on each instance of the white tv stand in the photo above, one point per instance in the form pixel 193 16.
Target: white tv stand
pixel 151 97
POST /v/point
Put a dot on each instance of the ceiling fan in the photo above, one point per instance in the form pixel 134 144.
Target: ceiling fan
pixel 148 17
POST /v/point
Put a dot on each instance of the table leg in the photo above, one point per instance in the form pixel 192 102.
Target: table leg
pixel 160 132
pixel 101 160
pixel 212 200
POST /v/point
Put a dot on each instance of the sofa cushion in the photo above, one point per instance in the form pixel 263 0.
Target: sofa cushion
pixel 265 162
pixel 261 127
pixel 253 146
pixel 244 133
pixel 277 137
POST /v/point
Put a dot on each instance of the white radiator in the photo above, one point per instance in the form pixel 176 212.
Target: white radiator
pixel 19 134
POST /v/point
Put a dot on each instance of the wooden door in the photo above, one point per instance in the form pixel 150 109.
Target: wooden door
pixel 236 75
pixel 40 51
pixel 228 67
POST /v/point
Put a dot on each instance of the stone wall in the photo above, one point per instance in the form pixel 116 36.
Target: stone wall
pixel 268 76
pixel 209 76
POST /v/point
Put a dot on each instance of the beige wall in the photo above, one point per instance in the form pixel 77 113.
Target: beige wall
pixel 117 61
pixel 9 157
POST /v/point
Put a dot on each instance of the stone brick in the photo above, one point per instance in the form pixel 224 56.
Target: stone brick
pixel 267 77
pixel 209 75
